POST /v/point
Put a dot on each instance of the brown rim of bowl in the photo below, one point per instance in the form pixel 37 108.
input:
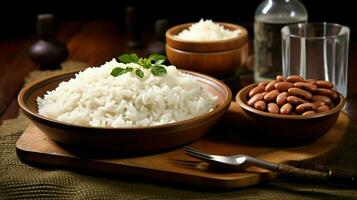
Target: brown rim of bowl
pixel 208 53
pixel 216 110
pixel 298 117
pixel 207 46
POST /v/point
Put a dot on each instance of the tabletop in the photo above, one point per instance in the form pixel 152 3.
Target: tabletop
pixel 95 42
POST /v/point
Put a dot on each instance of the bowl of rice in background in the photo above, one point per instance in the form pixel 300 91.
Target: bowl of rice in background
pixel 216 49
pixel 127 114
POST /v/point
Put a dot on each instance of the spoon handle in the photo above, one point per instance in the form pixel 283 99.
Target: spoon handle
pixel 329 176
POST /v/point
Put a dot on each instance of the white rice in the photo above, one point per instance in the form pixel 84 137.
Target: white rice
pixel 207 30
pixel 96 98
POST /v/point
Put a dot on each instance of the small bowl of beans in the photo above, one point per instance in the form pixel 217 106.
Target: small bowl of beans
pixel 291 108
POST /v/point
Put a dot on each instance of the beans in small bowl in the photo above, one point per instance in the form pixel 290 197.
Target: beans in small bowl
pixel 291 108
pixel 293 95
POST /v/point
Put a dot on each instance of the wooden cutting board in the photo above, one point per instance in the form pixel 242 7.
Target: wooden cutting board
pixel 230 136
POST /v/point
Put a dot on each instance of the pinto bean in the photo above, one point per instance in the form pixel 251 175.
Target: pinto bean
pixel 295 78
pixel 300 92
pixel 264 83
pixel 309 112
pixel 326 92
pixel 305 107
pixel 270 86
pixel 260 105
pixel 295 100
pixel 325 99
pixel 286 109
pixel 255 98
pixel 280 78
pixel 324 84
pixel 256 90
pixel 306 86
pixel 322 108
pixel 283 86
pixel 273 108
pixel 271 96
pixel 282 98
pixel 319 103
pixel 312 81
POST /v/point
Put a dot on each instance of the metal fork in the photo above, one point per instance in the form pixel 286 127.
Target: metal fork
pixel 236 162
pixel 241 162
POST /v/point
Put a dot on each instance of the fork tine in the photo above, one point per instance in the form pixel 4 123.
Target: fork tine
pixel 193 152
pixel 203 158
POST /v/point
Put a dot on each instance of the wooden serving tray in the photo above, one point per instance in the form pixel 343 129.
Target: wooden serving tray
pixel 227 138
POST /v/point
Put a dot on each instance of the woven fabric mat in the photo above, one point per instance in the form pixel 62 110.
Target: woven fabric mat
pixel 23 181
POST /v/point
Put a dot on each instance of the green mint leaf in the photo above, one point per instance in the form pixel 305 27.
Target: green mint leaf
pixel 135 57
pixel 128 58
pixel 141 62
pixel 144 62
pixel 118 71
pixel 139 73
pixel 158 70
pixel 128 69
pixel 154 63
pixel 147 63
pixel 156 57
pixel 159 62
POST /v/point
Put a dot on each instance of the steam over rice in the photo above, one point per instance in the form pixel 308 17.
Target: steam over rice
pixel 96 98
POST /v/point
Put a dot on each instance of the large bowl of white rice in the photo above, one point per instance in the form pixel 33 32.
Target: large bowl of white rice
pixel 96 111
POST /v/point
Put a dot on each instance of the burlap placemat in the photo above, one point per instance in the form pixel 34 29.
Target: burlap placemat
pixel 23 181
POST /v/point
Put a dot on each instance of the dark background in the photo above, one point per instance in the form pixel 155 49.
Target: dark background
pixel 17 18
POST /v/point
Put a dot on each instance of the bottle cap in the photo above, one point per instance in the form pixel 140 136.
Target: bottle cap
pixel 45 25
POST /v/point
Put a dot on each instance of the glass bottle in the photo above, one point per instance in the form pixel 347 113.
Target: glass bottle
pixel 270 17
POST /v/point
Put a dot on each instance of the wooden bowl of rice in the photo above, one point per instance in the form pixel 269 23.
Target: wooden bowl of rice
pixel 219 58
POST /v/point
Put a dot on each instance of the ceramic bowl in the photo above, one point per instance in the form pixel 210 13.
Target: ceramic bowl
pixel 219 58
pixel 143 139
pixel 289 128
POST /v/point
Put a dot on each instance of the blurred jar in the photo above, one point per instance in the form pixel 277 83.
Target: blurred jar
pixel 270 17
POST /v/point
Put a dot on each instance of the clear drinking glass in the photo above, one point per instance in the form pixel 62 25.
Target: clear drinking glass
pixel 318 51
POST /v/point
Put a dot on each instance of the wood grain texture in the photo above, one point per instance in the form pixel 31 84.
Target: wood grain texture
pixel 218 64
pixel 220 58
pixel 34 146
pixel 97 42
pixel 14 66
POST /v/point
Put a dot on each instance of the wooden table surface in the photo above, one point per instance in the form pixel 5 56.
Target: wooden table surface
pixel 95 42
